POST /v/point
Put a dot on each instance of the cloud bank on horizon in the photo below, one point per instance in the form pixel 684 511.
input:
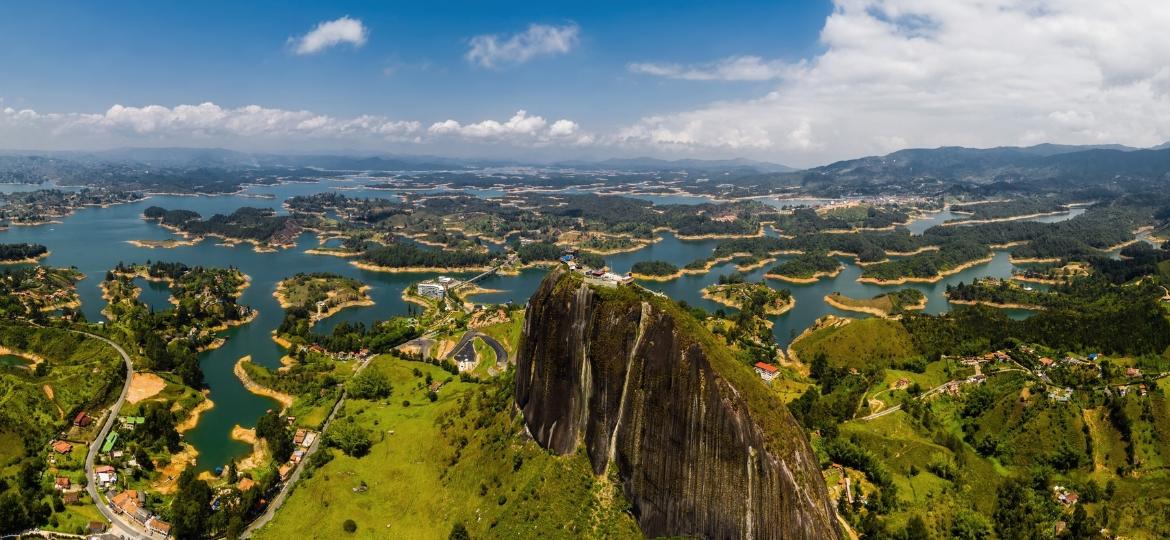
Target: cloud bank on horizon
pixel 889 74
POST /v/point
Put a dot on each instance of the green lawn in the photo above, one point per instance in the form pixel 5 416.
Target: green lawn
pixel 458 459
pixel 859 344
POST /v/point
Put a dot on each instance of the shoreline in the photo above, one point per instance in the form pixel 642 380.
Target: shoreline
pixel 194 414
pixel 817 276
pixel 769 310
pixel 28 260
pixel 831 301
pixel 649 277
pixel 417 269
pixel 988 303
pixel 934 279
pixel 31 357
pixel 1000 220
pixel 170 243
pixel 1030 260
pixel 285 400
pixel 331 253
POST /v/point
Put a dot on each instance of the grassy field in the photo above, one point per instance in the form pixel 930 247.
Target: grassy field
pixel 859 344
pixel 458 459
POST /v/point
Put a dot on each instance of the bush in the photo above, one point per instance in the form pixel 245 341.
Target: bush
pixel 350 526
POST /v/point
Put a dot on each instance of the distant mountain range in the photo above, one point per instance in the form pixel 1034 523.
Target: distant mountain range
pixel 1047 165
pixel 220 157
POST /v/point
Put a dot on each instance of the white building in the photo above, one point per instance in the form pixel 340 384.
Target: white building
pixel 431 289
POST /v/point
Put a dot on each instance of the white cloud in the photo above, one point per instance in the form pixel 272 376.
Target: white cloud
pixel 734 68
pixel 253 125
pixel 926 73
pixel 563 128
pixel 495 50
pixel 520 127
pixel 330 34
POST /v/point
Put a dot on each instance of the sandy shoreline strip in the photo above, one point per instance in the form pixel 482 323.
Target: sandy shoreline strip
pixel 934 279
pixel 806 280
pixel 285 400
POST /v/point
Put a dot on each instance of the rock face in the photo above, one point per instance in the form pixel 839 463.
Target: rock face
pixel 701 447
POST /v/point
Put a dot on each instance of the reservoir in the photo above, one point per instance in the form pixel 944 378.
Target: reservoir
pixel 95 240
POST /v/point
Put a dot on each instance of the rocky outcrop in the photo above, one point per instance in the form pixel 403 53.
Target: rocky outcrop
pixel 702 448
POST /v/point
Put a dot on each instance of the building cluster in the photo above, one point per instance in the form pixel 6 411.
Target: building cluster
pixel 345 355
pixel 303 439
pixel 601 277
pixel 132 504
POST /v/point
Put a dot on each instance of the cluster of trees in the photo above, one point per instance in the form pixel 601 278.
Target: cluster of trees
pixel 1134 325
pixel 1023 206
pixel 347 336
pixel 654 268
pixel 20 252
pixel 246 223
pixel 928 264
pixel 401 255
pixel 806 265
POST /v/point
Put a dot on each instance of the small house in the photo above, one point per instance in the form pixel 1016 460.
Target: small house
pixel 62 447
pixel 96 527
pixel 1046 361
pixel 72 497
pixel 1133 372
pixel 284 471
pixel 766 371
pixel 245 484
pixel 82 419
pixel 156 525
pixel 310 438
pixel 63 483
pixel 299 437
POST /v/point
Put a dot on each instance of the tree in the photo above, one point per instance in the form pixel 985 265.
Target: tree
pixel 1019 512
pixel 459 532
pixel 350 526
pixel 370 384
pixel 916 529
pixel 970 525
pixel 191 507
pixel 348 436
pixel 143 459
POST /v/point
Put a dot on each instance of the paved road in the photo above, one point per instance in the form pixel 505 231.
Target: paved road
pixel 465 341
pixel 118 525
pixel 278 501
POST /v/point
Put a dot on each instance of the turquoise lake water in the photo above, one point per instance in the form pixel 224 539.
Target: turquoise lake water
pixel 95 239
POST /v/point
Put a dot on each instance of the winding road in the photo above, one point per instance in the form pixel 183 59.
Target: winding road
pixel 278 501
pixel 118 525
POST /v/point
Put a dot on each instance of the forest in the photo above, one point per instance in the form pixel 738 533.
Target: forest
pixel 246 223
pixel 20 252
pixel 653 268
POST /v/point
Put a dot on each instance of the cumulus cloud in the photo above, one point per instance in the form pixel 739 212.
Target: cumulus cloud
pixel 734 68
pixel 496 50
pixel 331 34
pixel 520 126
pixel 208 123
pixel 963 72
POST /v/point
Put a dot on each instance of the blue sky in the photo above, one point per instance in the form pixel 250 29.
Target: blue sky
pixel 86 56
pixel 788 81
